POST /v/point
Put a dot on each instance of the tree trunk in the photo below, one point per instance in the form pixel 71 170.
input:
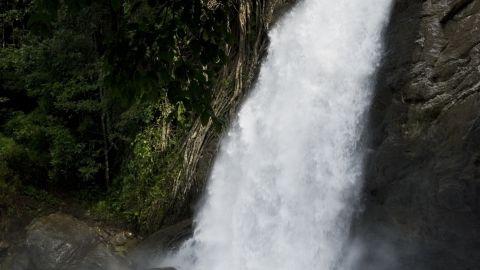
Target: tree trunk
pixel 106 143
pixel 105 151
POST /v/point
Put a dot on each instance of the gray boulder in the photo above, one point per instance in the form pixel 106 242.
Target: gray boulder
pixel 57 241
pixel 60 242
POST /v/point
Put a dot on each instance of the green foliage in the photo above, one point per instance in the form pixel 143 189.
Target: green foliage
pixel 96 97
pixel 12 21
pixel 52 153
pixel 61 76
pixel 12 159
pixel 141 192
pixel 18 201
pixel 172 47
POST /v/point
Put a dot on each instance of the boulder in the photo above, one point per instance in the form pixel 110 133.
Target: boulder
pixel 57 241
pixel 61 242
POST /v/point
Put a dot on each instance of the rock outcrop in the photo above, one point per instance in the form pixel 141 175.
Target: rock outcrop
pixel 423 176
pixel 59 241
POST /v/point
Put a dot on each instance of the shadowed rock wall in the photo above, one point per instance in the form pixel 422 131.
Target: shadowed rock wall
pixel 423 175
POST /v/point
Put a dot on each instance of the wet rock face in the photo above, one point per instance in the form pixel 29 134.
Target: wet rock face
pixel 62 242
pixel 423 177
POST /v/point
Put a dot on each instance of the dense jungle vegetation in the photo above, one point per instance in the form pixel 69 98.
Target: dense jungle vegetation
pixel 95 97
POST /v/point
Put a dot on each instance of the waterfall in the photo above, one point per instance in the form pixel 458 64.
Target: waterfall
pixel 284 185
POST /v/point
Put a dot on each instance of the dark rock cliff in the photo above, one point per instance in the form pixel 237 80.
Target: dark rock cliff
pixel 423 175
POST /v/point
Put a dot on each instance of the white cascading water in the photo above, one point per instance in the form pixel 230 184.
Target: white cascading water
pixel 282 191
